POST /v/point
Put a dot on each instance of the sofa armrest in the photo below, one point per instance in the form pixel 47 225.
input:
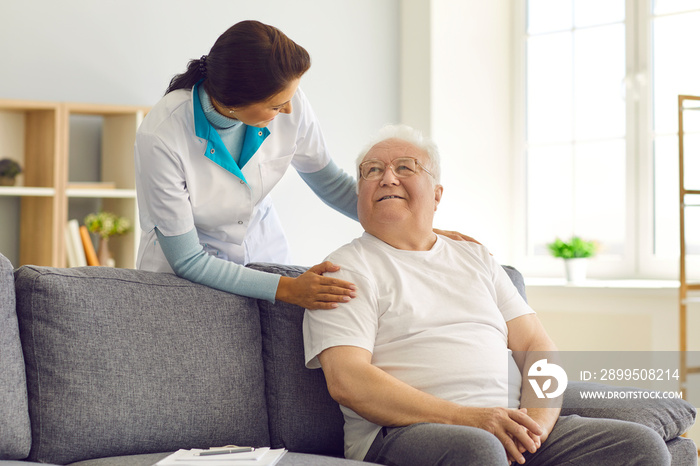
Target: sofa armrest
pixel 15 434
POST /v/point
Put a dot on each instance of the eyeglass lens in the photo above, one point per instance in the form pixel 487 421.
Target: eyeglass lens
pixel 374 169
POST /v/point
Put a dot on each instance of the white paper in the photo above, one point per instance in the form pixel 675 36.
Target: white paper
pixel 258 457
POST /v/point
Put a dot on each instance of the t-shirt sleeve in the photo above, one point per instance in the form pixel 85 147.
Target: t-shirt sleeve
pixel 351 324
pixel 508 299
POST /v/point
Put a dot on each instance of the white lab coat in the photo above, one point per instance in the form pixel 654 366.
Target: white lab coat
pixel 179 187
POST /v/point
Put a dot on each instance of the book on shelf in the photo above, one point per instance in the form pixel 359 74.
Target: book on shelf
pixel 74 245
pixel 88 247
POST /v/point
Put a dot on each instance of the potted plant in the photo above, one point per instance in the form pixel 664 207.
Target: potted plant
pixel 9 169
pixel 575 253
pixel 106 225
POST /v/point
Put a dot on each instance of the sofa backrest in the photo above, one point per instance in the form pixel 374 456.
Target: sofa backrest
pixel 517 278
pixel 15 436
pixel 303 416
pixel 123 362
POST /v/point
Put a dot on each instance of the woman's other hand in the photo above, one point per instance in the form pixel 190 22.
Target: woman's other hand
pixel 311 290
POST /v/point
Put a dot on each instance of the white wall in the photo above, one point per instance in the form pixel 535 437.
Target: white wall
pixel 465 104
pixel 126 51
pixel 440 65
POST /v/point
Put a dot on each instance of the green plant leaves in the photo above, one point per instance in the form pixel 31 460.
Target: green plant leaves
pixel 575 248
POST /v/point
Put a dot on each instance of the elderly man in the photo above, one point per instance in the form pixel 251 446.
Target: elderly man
pixel 420 359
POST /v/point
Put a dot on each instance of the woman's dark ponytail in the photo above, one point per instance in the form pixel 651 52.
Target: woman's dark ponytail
pixel 248 63
pixel 189 78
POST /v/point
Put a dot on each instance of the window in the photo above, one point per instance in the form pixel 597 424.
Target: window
pixel 600 131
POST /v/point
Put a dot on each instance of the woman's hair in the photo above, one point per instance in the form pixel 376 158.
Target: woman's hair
pixel 410 135
pixel 248 63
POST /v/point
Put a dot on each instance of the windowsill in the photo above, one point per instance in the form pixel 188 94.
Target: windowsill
pixel 604 284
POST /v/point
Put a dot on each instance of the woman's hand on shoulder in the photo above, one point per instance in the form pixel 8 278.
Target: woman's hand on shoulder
pixel 455 235
pixel 311 290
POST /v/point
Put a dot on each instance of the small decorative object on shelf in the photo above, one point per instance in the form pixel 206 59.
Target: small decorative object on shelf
pixel 106 225
pixel 575 254
pixel 9 169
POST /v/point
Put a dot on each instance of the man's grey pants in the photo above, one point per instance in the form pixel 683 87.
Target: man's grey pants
pixel 573 441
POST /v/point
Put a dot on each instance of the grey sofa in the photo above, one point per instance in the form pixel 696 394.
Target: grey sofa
pixel 103 366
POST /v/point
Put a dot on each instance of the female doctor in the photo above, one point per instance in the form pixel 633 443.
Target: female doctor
pixel 209 152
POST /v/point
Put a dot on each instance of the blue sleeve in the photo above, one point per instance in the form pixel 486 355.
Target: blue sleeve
pixel 335 187
pixel 188 260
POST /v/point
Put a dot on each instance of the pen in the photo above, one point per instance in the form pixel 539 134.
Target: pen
pixel 222 451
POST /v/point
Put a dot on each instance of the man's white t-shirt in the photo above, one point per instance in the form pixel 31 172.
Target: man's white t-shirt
pixel 434 319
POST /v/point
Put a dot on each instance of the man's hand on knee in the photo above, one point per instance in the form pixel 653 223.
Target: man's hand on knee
pixel 512 427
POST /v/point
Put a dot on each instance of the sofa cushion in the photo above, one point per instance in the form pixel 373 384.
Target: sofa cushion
pixel 668 417
pixel 303 416
pixel 149 459
pixel 15 436
pixel 123 362
pixel 289 459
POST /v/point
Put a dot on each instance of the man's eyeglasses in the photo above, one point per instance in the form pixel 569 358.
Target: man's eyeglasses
pixel 402 167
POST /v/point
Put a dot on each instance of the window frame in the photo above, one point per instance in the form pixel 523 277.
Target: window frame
pixel 639 260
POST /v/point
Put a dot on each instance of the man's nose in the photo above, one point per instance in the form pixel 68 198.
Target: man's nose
pixel 389 177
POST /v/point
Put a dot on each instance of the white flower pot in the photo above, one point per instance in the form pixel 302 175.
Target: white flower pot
pixel 576 269
pixel 7 181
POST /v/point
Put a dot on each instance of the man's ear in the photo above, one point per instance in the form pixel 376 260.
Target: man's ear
pixel 438 195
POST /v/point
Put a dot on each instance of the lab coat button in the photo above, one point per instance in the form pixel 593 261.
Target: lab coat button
pixel 242 182
pixel 240 222
pixel 259 133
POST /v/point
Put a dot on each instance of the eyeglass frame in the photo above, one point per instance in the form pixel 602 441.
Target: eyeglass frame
pixel 391 166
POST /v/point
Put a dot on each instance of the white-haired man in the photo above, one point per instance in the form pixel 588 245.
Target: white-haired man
pixel 420 359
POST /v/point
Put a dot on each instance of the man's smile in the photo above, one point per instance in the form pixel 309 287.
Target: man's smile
pixel 391 196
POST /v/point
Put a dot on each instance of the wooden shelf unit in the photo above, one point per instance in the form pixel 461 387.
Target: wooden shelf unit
pixel 38 136
pixel 689 292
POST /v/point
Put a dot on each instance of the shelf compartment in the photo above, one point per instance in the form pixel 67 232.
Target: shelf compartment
pixel 30 134
pixel 38 135
pixel 117 127
pixel 123 248
pixel 107 134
